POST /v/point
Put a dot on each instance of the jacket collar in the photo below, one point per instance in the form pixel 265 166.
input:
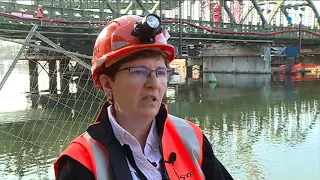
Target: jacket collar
pixel 103 118
pixel 102 132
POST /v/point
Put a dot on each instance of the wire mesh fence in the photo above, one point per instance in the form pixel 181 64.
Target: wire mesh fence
pixel 47 100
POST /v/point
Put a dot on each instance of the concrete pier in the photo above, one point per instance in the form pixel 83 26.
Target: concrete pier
pixel 52 77
pixel 33 81
pixel 33 76
pixel 64 79
pixel 236 64
pixel 234 58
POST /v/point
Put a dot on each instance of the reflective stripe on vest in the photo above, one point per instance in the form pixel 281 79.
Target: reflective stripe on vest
pixel 100 158
pixel 179 136
pixel 189 139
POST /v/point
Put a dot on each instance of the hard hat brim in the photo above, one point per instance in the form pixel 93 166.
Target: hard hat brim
pixel 127 51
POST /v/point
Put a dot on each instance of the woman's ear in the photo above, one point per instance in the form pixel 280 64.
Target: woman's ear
pixel 105 83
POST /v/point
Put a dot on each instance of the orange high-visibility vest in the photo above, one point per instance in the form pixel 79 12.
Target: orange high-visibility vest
pixel 182 137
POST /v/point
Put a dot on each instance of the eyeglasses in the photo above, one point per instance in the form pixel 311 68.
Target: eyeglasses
pixel 143 73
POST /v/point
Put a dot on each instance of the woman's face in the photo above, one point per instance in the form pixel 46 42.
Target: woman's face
pixel 135 93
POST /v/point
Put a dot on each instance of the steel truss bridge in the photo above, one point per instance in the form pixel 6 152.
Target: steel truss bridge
pixel 202 21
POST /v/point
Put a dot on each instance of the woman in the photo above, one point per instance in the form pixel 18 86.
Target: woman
pixel 134 137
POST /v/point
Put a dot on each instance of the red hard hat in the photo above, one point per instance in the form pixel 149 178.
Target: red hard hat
pixel 116 42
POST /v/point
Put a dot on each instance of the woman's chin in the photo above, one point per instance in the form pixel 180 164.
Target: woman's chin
pixel 149 112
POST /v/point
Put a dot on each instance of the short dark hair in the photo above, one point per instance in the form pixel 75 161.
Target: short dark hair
pixel 149 53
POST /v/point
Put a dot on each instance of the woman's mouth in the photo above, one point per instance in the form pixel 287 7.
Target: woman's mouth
pixel 149 98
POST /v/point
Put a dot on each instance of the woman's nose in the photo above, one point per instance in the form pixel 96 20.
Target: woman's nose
pixel 153 81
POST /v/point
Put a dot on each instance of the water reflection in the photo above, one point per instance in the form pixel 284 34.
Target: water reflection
pixel 260 126
pixel 246 115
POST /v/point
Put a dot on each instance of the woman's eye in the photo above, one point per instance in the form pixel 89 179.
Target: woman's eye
pixel 162 73
pixel 139 72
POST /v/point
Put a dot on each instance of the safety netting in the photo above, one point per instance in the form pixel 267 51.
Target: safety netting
pixel 47 98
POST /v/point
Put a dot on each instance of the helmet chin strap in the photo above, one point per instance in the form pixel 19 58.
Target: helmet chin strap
pixel 110 101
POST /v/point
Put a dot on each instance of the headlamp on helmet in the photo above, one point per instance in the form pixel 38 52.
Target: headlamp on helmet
pixel 147 29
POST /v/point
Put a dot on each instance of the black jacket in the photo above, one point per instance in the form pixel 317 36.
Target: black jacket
pixel 103 133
